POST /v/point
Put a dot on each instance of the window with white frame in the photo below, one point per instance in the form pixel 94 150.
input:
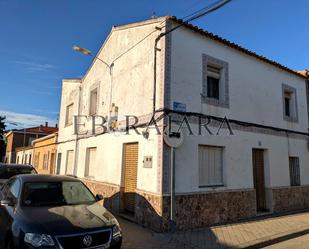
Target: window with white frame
pixel 294 171
pixel 69 115
pixel 69 162
pixel 90 162
pixel 93 108
pixel 215 82
pixel 210 165
pixel 289 100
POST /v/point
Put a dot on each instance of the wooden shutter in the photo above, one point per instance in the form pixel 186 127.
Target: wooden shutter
pixel 131 162
pixel 210 166
pixel 90 162
pixel 70 162
pixel 294 171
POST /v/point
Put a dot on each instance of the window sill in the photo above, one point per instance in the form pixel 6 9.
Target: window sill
pixel 214 102
pixel 290 119
pixel 213 186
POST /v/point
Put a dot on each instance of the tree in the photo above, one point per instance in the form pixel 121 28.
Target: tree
pixel 2 140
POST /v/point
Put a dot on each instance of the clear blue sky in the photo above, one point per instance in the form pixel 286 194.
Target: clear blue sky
pixel 36 37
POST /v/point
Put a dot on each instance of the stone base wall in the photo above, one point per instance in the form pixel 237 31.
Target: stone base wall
pixel 148 210
pixel 110 192
pixel 290 198
pixel 204 209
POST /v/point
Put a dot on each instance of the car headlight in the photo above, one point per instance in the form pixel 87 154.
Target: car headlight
pixel 116 231
pixel 38 240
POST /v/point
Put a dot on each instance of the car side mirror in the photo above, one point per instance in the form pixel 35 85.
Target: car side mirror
pixel 7 202
pixel 99 197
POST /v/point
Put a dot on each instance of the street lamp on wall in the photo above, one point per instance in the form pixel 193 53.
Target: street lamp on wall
pixel 87 52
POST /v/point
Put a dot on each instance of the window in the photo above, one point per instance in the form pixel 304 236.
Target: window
pixel 70 162
pixel 36 160
pixel 30 140
pixel 69 115
pixel 294 171
pixel 90 162
pixel 210 166
pixel 14 188
pixel 30 158
pixel 213 81
pixel 58 163
pixel 53 194
pixel 93 102
pixel 45 162
pixel 17 159
pixel 289 103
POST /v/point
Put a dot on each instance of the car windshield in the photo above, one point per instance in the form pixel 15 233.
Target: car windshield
pixel 56 194
pixel 8 172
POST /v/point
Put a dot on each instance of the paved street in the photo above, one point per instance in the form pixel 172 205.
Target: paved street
pixel 288 232
pixel 297 243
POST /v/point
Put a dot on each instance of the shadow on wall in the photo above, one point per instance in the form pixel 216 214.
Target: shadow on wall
pixel 146 216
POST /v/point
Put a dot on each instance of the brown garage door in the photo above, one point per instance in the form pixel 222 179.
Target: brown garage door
pixel 130 175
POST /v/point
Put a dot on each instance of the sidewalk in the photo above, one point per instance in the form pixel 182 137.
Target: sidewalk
pixel 250 234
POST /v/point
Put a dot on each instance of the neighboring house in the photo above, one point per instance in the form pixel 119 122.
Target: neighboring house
pixel 263 167
pixel 44 154
pixel 23 138
pixel 24 155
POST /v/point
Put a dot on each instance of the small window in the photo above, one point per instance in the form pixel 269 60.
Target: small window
pixel 36 160
pixel 90 162
pixel 289 103
pixel 70 162
pixel 93 102
pixel 213 82
pixel 45 162
pixel 58 163
pixel 69 115
pixel 294 171
pixel 210 166
pixel 14 188
pixel 215 88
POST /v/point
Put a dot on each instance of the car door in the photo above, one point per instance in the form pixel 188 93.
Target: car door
pixel 10 190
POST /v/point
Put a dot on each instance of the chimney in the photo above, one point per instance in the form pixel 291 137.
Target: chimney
pixel 56 125
pixel 46 124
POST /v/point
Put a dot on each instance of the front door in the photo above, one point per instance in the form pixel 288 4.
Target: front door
pixel 130 175
pixel 259 179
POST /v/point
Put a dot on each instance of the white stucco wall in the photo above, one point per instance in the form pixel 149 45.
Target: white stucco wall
pixel 255 95
pixel 22 154
pixel 255 87
pixel 132 93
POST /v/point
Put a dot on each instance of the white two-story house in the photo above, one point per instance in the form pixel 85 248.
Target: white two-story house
pixel 258 163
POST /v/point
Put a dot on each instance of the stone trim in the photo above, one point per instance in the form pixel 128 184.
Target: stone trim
pixel 224 82
pixel 290 198
pixel 291 89
pixel 110 192
pixel 200 210
pixel 217 190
